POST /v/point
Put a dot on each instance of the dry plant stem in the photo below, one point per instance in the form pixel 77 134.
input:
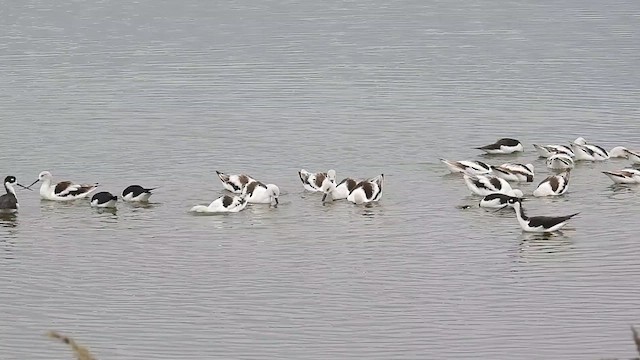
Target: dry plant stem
pixel 81 352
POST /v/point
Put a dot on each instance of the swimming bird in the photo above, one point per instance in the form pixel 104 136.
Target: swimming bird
pixel 62 191
pixel 9 201
pixel 136 193
pixel 633 156
pixel 367 191
pixel 619 152
pixel 104 199
pixel 547 150
pixel 503 146
pixel 495 201
pixel 258 193
pixel 539 224
pixel 470 167
pixel 624 176
pixel 514 172
pixel 225 203
pixel 313 181
pixel 553 185
pixel 333 191
pixel 484 185
pixel 234 183
pixel 560 161
pixel 588 152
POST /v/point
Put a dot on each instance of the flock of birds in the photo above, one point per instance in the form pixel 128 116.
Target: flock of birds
pixel 245 190
pixel 493 182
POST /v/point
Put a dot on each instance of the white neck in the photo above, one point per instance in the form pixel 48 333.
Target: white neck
pixel 518 208
pixel 10 188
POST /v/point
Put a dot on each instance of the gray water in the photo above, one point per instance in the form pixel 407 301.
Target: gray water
pixel 163 93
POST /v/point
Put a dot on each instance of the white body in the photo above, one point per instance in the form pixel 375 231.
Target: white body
pixel 367 191
pixel 589 152
pixel 514 172
pixel 547 188
pixel 504 150
pixel 47 189
pixel 216 206
pixel 633 156
pixel 494 201
pixel 341 190
pixel 548 150
pixel 466 166
pixel 487 184
pixel 144 197
pixel 524 224
pixel 560 161
pixel 234 183
pixel 108 204
pixel 624 176
pixel 262 194
pixel 315 181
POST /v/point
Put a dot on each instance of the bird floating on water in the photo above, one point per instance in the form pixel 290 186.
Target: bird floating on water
pixel 467 166
pixel 484 185
pixel 136 193
pixel 104 199
pixel 503 146
pixel 539 224
pixel 367 191
pixel 9 201
pixel 624 176
pixel 514 172
pixel 62 191
pixel 553 185
pixel 223 204
pixel 234 183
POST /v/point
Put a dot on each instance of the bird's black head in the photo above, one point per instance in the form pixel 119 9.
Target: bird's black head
pixel 512 200
pixel 10 179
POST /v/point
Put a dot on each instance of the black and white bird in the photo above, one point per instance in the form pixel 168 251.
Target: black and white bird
pixel 62 191
pixel 223 204
pixel 495 201
pixel 136 193
pixel 633 156
pixel 341 190
pixel 624 176
pixel 539 224
pixel 367 191
pixel 9 201
pixel 104 199
pixel 514 172
pixel 256 192
pixel 234 183
pixel 560 161
pixel 468 166
pixel 553 185
pixel 547 150
pixel 588 152
pixel 314 181
pixel 484 185
pixel 503 146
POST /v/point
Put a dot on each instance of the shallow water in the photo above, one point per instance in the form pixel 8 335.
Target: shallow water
pixel 165 93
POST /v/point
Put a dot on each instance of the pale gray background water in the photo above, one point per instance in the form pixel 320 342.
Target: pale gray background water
pixel 163 93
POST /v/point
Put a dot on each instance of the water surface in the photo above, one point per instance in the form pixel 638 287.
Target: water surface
pixel 165 93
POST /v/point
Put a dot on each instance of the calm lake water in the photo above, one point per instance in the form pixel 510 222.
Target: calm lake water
pixel 163 93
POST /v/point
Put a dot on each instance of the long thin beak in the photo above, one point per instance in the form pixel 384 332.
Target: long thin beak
pixel 33 183
pixel 324 197
pixel 277 201
pixel 25 187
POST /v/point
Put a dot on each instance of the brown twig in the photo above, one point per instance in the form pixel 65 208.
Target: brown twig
pixel 81 352
pixel 636 338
